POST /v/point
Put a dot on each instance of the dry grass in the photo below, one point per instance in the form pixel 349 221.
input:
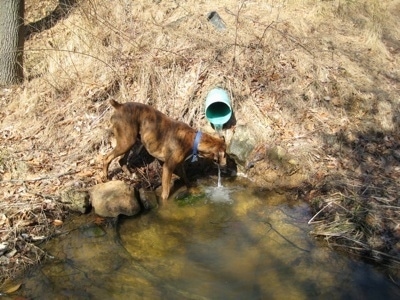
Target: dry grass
pixel 319 78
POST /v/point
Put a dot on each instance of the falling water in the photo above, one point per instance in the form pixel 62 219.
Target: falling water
pixel 219 193
pixel 219 177
pixel 218 128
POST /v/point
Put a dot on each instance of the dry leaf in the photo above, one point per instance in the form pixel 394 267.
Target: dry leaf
pixel 86 173
pixel 3 219
pixel 99 220
pixel 57 222
pixel 10 287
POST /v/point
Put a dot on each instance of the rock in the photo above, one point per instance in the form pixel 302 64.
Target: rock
pixel 76 200
pixel 273 167
pixel 259 153
pixel 92 230
pixel 263 174
pixel 113 198
pixel 396 154
pixel 282 160
pixel 277 154
pixel 11 253
pixel 242 144
pixel 4 260
pixel 148 199
pixel 3 247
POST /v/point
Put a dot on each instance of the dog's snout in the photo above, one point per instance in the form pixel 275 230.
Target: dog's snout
pixel 222 159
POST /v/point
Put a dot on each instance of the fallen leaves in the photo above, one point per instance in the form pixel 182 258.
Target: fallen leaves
pixel 9 287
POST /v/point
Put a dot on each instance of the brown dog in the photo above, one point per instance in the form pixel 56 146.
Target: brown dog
pixel 164 138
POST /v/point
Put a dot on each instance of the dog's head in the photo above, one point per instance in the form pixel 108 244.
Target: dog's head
pixel 220 154
pixel 220 158
pixel 213 148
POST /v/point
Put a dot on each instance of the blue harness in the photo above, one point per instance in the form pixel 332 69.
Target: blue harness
pixel 195 146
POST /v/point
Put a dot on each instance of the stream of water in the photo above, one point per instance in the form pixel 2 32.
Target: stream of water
pixel 234 242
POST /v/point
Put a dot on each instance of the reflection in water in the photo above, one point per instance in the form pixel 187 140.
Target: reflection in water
pixel 235 243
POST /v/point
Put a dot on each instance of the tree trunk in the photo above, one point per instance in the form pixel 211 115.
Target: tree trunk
pixel 11 41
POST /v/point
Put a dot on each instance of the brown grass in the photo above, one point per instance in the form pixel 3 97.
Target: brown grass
pixel 318 78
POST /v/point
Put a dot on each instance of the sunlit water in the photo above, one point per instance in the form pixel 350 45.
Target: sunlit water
pixel 236 242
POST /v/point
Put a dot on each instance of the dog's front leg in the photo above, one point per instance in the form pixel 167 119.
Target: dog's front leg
pixel 166 182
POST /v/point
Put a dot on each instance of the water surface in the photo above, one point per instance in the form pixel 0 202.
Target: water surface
pixel 233 242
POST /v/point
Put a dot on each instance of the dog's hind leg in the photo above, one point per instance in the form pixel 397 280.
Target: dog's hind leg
pixel 125 141
pixel 123 162
pixel 134 151
pixel 117 151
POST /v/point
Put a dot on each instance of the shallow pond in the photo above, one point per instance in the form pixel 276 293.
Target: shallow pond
pixel 236 242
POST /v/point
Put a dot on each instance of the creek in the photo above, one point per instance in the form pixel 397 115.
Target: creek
pixel 232 242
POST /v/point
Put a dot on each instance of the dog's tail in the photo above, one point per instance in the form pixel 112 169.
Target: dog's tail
pixel 115 104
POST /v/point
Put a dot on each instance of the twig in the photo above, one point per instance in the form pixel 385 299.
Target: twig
pixel 236 32
pixel 292 39
pixel 40 178
pixel 365 246
pixel 263 35
pixel 312 219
